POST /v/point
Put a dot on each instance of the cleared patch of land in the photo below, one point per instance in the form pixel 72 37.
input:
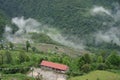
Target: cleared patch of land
pixel 98 75
pixel 59 49
pixel 47 75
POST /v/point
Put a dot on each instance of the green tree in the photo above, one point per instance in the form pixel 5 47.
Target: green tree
pixel 87 58
pixel 2 24
pixel 27 45
pixel 113 59
pixel 11 45
pixel 1 58
pixel 84 59
pixel 100 59
pixel 86 68
pixel 33 49
pixel 22 57
pixel 102 66
pixel 81 62
pixel 8 57
pixel 1 46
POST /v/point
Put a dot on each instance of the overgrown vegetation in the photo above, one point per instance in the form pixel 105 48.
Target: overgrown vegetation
pixel 71 17
pixel 21 60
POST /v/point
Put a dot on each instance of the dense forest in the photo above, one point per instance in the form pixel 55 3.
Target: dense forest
pixel 72 18
pixel 93 25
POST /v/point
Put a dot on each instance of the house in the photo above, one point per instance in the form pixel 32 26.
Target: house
pixel 54 66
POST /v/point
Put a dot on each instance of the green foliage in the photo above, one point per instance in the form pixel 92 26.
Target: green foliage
pixel 84 59
pixel 27 45
pixel 42 38
pixel 1 46
pixel 87 58
pixel 100 59
pixel 23 57
pixel 2 24
pixel 11 45
pixel 1 59
pixel 17 76
pixel 102 66
pixel 7 57
pixel 33 49
pixel 86 68
pixel 72 17
pixel 113 59
pixel 77 65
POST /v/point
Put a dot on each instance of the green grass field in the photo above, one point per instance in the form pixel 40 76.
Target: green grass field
pixel 98 75
pixel 15 77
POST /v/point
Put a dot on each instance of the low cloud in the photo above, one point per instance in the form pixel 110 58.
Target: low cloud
pixel 29 25
pixel 111 35
pixel 100 10
pixel 57 36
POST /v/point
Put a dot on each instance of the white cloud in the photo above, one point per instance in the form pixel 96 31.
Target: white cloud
pixel 100 10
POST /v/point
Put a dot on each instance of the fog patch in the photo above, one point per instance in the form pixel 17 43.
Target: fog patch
pixel 64 39
pixel 30 25
pixel 100 10
pixel 25 26
pixel 111 35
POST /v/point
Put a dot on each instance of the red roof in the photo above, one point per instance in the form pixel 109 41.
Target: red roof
pixel 54 65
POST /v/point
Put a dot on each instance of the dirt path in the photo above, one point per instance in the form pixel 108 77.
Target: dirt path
pixel 47 75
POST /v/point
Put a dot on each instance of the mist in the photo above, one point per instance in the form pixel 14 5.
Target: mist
pixel 28 25
pixel 31 25
pixel 25 26
pixel 111 35
pixel 100 10
pixel 58 37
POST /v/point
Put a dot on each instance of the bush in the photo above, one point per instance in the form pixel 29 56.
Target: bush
pixel 113 59
pixel 93 66
pixel 71 73
pixel 15 69
pixel 86 68
pixel 102 66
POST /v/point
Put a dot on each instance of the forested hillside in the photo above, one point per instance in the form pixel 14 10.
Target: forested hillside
pixel 72 17
pixel 3 22
pixel 81 34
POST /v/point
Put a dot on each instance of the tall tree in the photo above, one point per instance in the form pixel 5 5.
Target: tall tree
pixel 100 59
pixel 87 58
pixel 27 45
pixel 11 45
pixel 8 57
pixel 113 59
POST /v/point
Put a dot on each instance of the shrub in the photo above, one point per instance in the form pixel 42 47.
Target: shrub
pixel 102 66
pixel 86 68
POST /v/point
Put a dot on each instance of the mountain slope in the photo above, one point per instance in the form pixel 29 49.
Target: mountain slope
pixel 3 22
pixel 73 18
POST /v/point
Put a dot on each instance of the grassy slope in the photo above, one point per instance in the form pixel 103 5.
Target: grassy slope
pixel 16 76
pixel 61 49
pixel 102 75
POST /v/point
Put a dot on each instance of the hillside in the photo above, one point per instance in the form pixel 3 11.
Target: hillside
pixel 81 23
pixel 98 75
pixel 3 22
pixel 83 35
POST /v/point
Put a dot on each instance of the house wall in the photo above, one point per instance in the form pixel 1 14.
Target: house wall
pixel 53 69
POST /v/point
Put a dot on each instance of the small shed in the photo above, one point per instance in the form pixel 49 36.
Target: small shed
pixel 54 66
